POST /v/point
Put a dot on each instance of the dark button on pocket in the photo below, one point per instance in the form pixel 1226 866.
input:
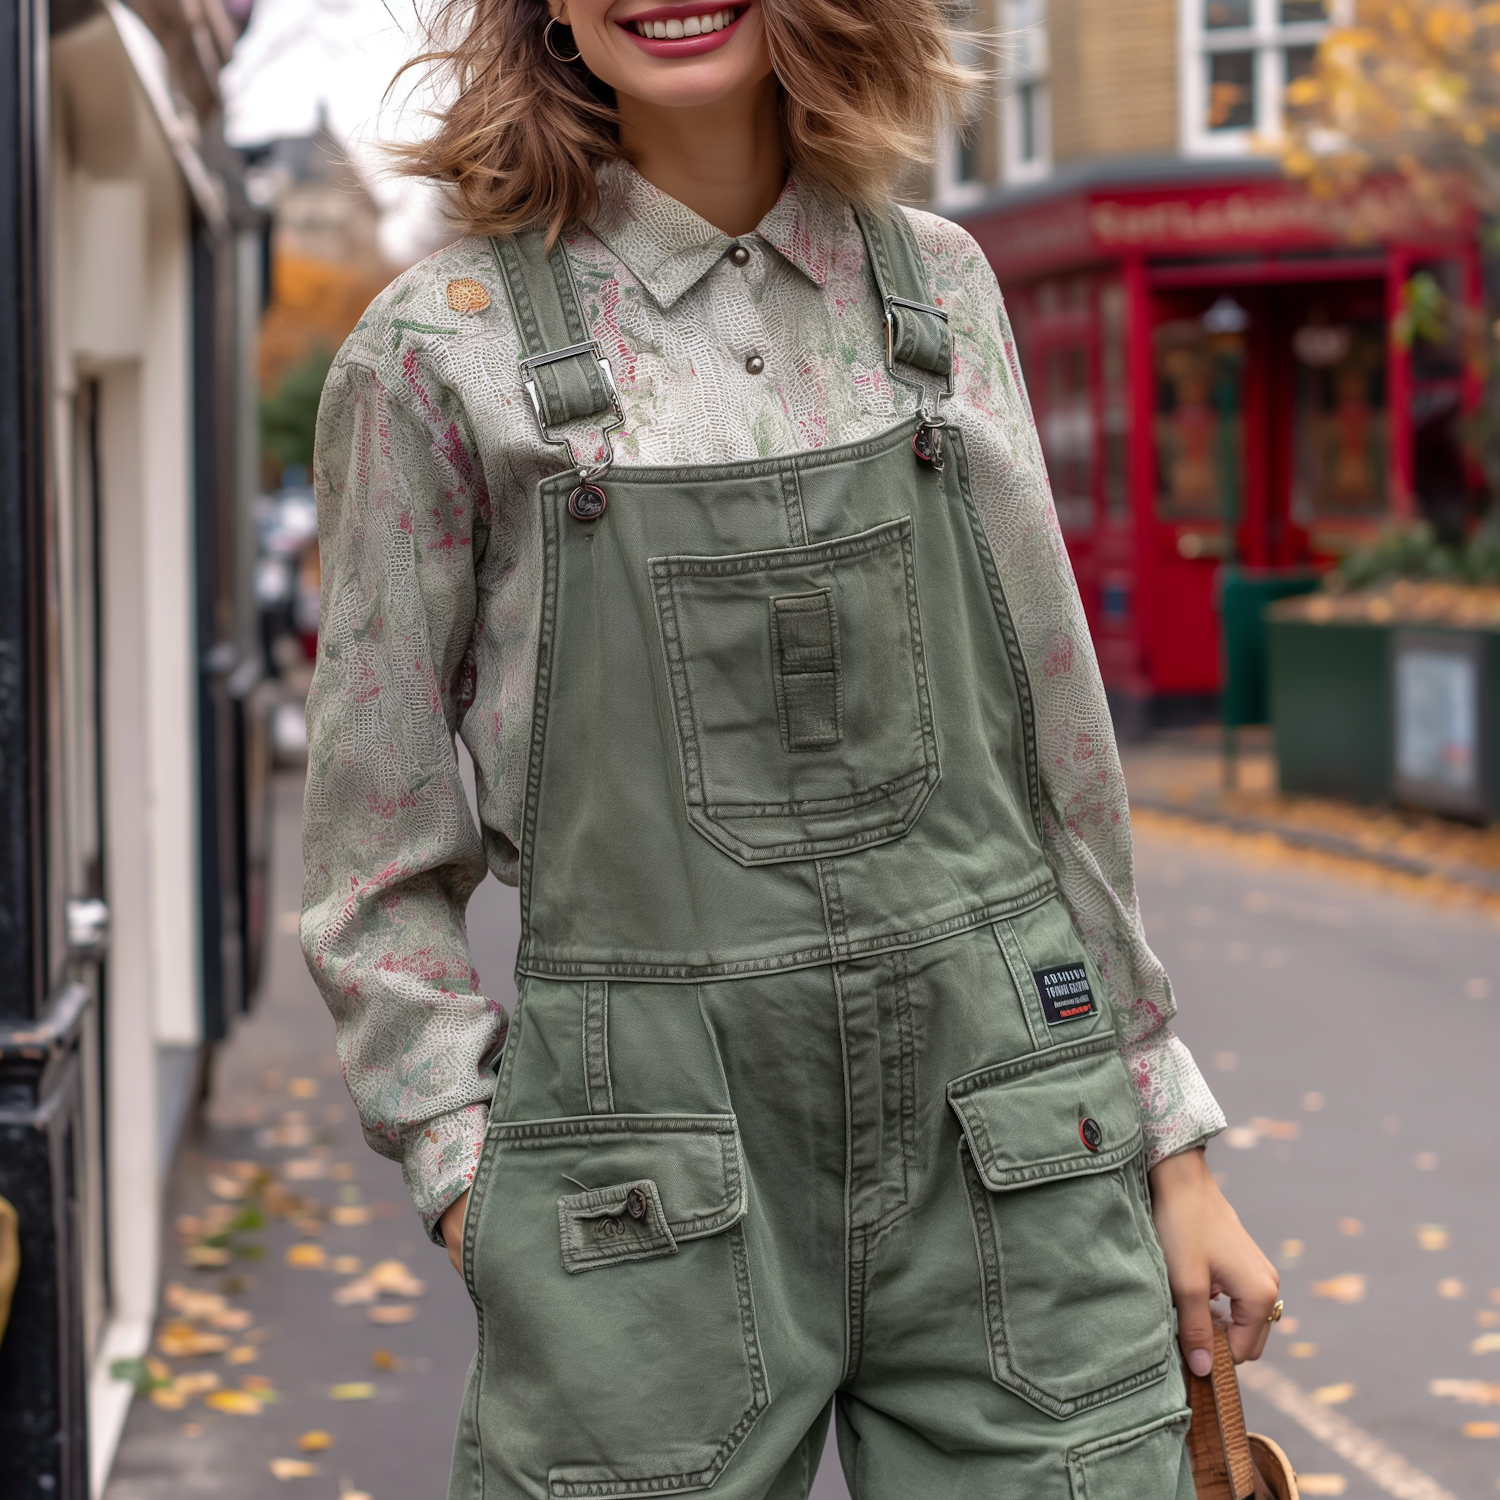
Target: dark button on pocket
pixel 739 255
pixel 754 365
pixel 1090 1134
pixel 635 1200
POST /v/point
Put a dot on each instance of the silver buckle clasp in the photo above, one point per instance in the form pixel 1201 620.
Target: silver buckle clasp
pixel 587 473
pixel 890 323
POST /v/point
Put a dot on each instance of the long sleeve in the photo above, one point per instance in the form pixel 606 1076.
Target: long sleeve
pixel 392 852
pixel 1085 809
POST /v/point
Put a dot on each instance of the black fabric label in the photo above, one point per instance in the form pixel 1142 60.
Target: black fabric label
pixel 1065 993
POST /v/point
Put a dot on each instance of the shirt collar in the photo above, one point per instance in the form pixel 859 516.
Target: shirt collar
pixel 669 249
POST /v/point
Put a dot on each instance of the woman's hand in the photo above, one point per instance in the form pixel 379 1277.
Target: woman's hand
pixel 451 1227
pixel 1208 1253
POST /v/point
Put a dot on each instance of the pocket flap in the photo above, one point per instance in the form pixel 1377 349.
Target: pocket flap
pixel 647 1182
pixel 1064 1111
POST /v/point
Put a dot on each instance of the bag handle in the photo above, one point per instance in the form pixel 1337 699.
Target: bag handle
pixel 1218 1443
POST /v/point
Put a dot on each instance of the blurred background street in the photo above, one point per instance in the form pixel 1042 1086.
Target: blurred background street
pixel 1250 252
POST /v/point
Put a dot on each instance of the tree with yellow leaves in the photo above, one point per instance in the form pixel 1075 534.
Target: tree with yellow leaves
pixel 1411 86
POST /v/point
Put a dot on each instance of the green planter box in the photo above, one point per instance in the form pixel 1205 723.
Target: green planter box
pixel 1387 713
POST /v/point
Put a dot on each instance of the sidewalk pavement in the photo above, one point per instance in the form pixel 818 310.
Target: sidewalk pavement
pixel 312 1342
pixel 1180 774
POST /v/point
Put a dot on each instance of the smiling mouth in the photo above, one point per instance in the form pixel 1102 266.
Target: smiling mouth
pixel 680 28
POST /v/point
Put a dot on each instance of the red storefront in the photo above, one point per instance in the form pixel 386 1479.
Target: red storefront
pixel 1214 375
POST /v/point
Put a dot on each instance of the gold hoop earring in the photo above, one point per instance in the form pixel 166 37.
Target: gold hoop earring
pixel 551 50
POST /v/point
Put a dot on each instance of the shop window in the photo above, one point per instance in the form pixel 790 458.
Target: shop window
pixel 1340 451
pixel 1067 431
pixel 1199 427
pixel 1236 61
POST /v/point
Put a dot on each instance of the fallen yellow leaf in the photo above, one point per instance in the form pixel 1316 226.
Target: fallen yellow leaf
pixel 260 1384
pixel 1486 1343
pixel 1321 1484
pixel 168 1398
pixel 1303 1351
pixel 392 1276
pixel 242 1354
pixel 315 1441
pixel 347 1265
pixel 1470 1392
pixel 1291 1249
pixel 1276 1130
pixel 1349 1287
pixel 1451 1288
pixel 349 1215
pixel 1482 1429
pixel 237 1403
pixel 1432 1236
pixel 352 1390
pixel 1333 1395
pixel 230 1188
pixel 183 1341
pixel 1351 1227
pixel 303 1088
pixel 1487 1319
pixel 1287 1324
pixel 392 1312
pixel 354 1495
pixel 383 1359
pixel 293 1468
pixel 314 1257
pixel 231 1319
pixel 206 1256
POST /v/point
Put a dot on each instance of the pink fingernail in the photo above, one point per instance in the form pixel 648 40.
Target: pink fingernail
pixel 1200 1362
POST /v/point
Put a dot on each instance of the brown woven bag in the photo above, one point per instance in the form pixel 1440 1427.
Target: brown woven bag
pixel 1228 1462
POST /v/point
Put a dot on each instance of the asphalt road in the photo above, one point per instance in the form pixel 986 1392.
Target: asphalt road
pixel 1352 1036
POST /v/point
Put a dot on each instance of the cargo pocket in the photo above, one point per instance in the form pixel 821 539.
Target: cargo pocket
pixel 1075 1289
pixel 799 693
pixel 1146 1463
pixel 619 1348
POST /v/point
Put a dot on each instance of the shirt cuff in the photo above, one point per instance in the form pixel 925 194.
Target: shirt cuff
pixel 438 1159
pixel 1178 1109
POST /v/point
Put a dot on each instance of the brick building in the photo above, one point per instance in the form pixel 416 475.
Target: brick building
pixel 1208 349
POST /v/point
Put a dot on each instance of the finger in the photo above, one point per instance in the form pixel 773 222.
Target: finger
pixel 1195 1328
pixel 1248 1341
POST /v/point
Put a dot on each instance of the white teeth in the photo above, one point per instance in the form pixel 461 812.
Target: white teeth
pixel 677 28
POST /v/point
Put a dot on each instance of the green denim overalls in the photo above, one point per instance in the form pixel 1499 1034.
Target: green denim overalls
pixel 811 1089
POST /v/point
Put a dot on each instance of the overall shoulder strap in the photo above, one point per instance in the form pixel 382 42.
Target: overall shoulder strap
pixel 916 332
pixel 564 371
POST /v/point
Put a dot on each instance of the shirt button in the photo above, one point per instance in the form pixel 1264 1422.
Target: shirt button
pixel 740 255
pixel 1090 1134
pixel 754 365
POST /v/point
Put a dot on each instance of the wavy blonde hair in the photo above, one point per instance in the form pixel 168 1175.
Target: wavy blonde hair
pixel 865 86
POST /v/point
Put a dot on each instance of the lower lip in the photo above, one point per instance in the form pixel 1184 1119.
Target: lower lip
pixel 688 46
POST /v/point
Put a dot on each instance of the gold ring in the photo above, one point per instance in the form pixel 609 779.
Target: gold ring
pixel 1276 1312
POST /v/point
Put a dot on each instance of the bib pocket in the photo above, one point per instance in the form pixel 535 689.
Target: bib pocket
pixel 608 1257
pixel 799 694
pixel 1075 1289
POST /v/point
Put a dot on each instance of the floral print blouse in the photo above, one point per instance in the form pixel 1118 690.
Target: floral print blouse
pixel 428 456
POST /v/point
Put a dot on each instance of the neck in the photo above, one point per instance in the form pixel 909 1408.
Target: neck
pixel 724 161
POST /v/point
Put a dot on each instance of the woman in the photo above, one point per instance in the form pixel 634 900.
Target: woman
pixel 698 491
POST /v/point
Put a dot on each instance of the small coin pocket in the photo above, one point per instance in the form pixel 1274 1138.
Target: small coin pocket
pixel 622 1222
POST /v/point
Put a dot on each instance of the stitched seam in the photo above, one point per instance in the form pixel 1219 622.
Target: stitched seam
pixel 598 1085
pixel 804 958
pixel 1007 626
pixel 906 1034
pixel 796 516
pixel 748 810
pixel 1020 976
pixel 839 549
